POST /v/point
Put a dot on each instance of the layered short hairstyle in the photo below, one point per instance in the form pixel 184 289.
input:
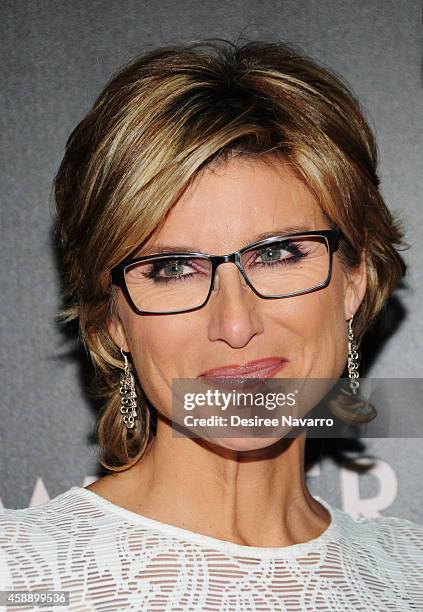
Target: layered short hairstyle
pixel 160 121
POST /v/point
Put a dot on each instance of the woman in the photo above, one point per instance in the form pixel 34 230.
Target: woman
pixel 191 154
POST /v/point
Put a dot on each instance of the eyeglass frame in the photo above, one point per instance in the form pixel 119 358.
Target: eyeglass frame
pixel 332 237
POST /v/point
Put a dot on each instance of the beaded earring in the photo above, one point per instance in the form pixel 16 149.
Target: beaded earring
pixel 128 395
pixel 348 406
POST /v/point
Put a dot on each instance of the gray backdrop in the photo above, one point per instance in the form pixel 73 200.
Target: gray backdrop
pixel 56 56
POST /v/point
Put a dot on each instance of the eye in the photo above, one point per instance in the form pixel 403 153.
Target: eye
pixel 276 254
pixel 282 251
pixel 272 252
pixel 173 267
pixel 168 269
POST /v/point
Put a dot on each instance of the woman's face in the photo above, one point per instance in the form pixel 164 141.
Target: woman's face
pixel 223 210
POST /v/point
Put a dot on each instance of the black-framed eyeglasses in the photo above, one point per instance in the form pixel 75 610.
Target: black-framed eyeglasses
pixel 276 267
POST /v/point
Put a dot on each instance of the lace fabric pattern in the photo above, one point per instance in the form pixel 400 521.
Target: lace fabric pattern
pixel 110 559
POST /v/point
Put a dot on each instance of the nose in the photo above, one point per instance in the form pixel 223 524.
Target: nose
pixel 231 278
pixel 233 308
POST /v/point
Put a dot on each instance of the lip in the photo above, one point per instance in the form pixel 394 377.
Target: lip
pixel 243 376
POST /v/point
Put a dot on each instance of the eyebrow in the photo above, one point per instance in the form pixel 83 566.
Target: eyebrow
pixel 181 248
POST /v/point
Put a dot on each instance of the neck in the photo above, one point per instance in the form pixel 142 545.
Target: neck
pixel 255 498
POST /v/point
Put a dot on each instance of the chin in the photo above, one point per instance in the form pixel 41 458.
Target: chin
pixel 244 444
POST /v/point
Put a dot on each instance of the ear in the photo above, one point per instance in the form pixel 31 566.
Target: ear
pixel 116 331
pixel 355 287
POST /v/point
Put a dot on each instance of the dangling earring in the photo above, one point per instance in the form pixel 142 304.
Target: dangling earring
pixel 348 406
pixel 128 395
pixel 353 360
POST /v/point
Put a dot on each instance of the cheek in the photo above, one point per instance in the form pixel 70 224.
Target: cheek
pixel 157 348
pixel 331 320
pixel 154 343
pixel 318 319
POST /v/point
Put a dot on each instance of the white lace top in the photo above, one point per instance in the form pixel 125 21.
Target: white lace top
pixel 109 559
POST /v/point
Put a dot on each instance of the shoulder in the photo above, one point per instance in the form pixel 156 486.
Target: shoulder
pixel 64 506
pixel 391 529
pixel 382 555
pixel 386 542
pixel 35 540
pixel 398 537
pixel 60 518
pixel 36 526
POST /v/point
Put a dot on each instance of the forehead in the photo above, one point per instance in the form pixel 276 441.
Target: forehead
pixel 232 204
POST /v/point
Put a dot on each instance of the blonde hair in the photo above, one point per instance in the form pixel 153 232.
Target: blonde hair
pixel 156 124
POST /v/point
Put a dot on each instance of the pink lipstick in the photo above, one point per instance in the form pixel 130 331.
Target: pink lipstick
pixel 236 376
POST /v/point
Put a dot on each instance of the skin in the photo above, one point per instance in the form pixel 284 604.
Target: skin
pixel 241 490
